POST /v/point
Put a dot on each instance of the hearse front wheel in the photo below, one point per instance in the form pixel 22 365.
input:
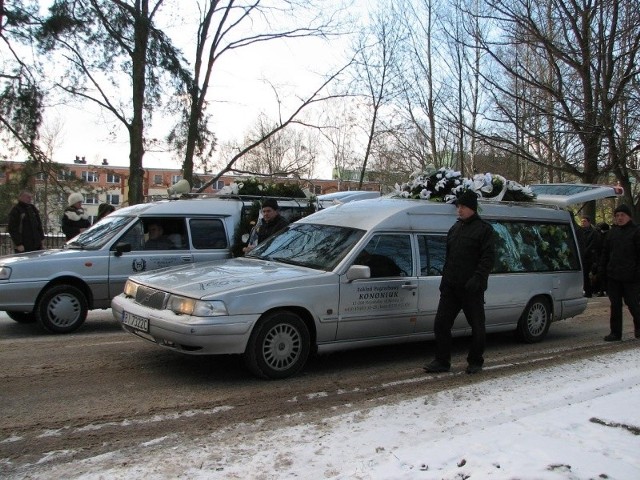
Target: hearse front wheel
pixel 62 309
pixel 278 346
pixel 535 320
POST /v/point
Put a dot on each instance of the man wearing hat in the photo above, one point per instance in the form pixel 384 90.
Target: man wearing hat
pixel 620 263
pixel 469 259
pixel 270 223
pixel 74 218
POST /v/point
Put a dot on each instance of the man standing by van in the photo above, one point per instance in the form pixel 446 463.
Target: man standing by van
pixel 620 262
pixel 25 226
pixel 270 223
pixel 469 260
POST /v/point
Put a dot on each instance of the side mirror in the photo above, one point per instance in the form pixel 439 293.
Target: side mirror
pixel 122 248
pixel 356 272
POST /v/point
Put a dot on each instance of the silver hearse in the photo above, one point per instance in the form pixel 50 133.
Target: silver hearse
pixel 359 274
pixel 58 287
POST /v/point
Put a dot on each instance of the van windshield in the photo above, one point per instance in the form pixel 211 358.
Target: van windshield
pixel 315 246
pixel 99 234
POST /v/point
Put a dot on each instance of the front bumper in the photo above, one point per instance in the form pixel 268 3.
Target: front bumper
pixel 191 335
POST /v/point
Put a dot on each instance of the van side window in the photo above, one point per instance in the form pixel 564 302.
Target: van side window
pixel 164 233
pixel 208 233
pixel 534 247
pixel 387 256
pixel 433 251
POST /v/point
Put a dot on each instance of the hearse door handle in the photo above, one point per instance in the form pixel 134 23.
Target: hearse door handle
pixel 186 258
pixel 409 286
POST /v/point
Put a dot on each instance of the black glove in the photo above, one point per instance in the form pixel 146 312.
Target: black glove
pixel 473 284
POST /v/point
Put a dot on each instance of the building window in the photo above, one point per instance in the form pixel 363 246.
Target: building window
pixel 175 179
pixel 91 199
pixel 113 178
pixel 92 177
pixel 219 184
pixel 157 179
pixel 66 175
pixel 113 199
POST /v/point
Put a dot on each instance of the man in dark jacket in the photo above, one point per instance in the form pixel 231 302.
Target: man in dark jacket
pixel 270 223
pixel 590 249
pixel 469 260
pixel 24 225
pixel 620 262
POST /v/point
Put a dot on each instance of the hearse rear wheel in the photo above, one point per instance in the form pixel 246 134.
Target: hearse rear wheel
pixel 535 320
pixel 278 346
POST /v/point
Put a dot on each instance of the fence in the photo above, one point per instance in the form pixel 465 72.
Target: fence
pixel 6 246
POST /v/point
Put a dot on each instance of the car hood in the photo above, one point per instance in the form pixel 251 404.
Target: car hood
pixel 207 279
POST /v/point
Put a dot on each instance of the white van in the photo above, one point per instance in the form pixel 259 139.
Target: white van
pixel 358 274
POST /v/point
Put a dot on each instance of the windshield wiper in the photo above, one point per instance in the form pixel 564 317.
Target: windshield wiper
pixel 75 244
pixel 289 261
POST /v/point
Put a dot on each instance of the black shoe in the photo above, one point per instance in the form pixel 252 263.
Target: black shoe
pixel 613 338
pixel 471 369
pixel 436 367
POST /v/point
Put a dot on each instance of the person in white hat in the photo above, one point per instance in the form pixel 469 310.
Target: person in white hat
pixel 74 219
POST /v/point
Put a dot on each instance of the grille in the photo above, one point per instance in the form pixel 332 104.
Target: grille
pixel 150 297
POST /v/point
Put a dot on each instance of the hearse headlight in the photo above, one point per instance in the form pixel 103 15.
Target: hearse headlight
pixel 5 273
pixel 130 289
pixel 197 308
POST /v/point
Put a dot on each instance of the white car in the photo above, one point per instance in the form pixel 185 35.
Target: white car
pixel 359 274
pixel 58 287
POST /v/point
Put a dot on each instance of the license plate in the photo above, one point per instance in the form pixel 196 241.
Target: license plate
pixel 134 321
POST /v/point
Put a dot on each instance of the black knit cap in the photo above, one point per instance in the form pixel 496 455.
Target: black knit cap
pixel 468 198
pixel 270 203
pixel 623 208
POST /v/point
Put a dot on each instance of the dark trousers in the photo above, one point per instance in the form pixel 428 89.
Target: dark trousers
pixel 586 279
pixel 630 293
pixel 452 300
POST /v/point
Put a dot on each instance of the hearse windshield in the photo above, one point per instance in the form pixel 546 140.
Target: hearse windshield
pixel 315 246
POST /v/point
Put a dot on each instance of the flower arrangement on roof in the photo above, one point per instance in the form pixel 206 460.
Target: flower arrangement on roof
pixel 253 186
pixel 445 184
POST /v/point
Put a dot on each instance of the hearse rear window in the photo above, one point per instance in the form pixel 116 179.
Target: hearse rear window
pixel 534 247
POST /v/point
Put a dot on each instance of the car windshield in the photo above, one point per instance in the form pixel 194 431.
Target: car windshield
pixel 314 246
pixel 100 233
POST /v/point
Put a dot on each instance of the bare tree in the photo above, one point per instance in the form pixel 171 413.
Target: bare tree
pixel 581 67
pixel 340 123
pixel 225 27
pixel 290 152
pixel 317 97
pixel 377 70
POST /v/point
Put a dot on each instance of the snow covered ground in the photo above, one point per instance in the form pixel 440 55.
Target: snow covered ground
pixel 575 421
